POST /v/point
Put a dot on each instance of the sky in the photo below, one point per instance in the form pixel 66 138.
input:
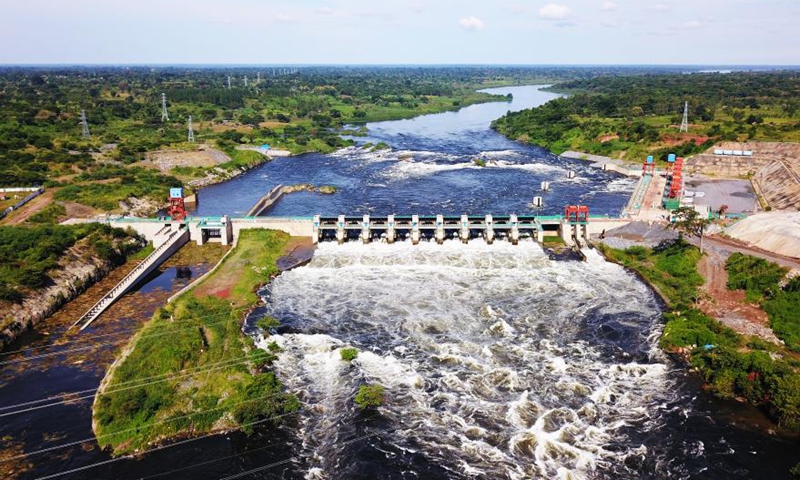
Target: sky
pixel 296 32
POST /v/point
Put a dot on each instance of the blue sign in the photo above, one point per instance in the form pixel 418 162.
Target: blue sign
pixel 175 193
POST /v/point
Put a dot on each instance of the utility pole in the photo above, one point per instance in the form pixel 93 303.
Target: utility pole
pixel 164 114
pixel 85 126
pixel 191 130
pixel 685 123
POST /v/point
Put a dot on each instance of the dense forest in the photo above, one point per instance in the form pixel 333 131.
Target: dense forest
pixel 634 116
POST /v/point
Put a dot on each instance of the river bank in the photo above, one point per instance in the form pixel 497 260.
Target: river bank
pixel 212 377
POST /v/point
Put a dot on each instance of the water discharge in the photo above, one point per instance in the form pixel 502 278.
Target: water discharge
pixel 497 361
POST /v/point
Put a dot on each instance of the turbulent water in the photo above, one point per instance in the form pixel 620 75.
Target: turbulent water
pixel 430 170
pixel 497 361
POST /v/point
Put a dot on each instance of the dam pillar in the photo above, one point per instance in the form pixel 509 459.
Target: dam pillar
pixel 464 232
pixel 317 232
pixel 390 231
pixel 439 229
pixel 539 233
pixel 365 230
pixel 415 234
pixel 341 233
pixel 489 230
pixel 514 234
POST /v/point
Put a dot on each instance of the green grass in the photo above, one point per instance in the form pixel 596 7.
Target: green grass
pixel 370 396
pixel 348 354
pixel 50 214
pixel 756 276
pixel 731 365
pixel 203 331
pixel 105 187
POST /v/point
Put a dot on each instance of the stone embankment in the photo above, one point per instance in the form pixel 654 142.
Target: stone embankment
pixel 77 271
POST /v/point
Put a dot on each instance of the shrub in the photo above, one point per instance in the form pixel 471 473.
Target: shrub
pixel 370 396
pixel 758 277
pixel 348 354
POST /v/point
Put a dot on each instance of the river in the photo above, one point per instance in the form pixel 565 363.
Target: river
pixel 430 170
pixel 498 361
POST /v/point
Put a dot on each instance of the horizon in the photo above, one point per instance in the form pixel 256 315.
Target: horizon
pixel 357 32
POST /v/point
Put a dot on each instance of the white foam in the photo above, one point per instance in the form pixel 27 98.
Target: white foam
pixel 460 332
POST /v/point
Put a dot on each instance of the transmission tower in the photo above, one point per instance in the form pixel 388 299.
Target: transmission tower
pixel 84 125
pixel 191 130
pixel 258 78
pixel 245 81
pixel 229 82
pixel 685 123
pixel 164 114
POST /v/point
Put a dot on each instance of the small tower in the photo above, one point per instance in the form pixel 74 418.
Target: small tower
pixel 245 81
pixel 84 126
pixel 258 78
pixel 191 130
pixel 229 82
pixel 164 114
pixel 685 123
pixel 177 207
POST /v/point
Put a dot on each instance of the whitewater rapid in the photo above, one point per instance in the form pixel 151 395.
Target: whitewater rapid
pixel 497 361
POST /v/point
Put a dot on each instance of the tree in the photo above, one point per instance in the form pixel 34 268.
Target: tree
pixel 687 221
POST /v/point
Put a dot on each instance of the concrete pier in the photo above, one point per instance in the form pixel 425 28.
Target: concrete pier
pixel 489 235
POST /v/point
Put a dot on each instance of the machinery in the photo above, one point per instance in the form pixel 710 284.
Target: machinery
pixel 177 207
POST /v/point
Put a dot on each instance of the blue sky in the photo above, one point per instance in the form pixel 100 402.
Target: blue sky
pixel 401 31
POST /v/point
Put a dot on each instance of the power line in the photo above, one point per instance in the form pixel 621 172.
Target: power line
pixel 290 459
pixel 163 447
pixel 97 345
pixel 228 457
pixel 138 428
pixel 70 400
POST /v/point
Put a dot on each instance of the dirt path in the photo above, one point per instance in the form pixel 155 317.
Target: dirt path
pixel 734 246
pixel 730 307
pixel 34 206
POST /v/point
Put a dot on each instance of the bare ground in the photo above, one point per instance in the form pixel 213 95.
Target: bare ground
pixel 730 307
pixel 34 206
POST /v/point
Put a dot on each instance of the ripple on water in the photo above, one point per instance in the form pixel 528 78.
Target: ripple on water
pixel 489 365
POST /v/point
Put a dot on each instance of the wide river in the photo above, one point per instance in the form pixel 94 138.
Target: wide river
pixel 498 362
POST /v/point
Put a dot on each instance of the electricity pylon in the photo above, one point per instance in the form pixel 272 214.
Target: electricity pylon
pixel 685 123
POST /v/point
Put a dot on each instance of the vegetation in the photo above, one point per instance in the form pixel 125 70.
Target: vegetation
pixel 687 221
pixel 638 115
pixel 348 354
pixel 209 375
pixel 731 366
pixel 762 280
pixel 756 276
pixel 370 396
pixel 29 254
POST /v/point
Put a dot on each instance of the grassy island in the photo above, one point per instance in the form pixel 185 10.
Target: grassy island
pixel 191 369
pixel 732 366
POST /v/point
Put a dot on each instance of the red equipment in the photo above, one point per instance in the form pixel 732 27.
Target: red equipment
pixel 177 207
pixel 576 214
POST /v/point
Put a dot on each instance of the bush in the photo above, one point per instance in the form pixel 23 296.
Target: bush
pixel 370 396
pixel 758 277
pixel 268 323
pixel 348 354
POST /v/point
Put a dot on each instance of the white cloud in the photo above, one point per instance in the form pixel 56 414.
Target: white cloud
pixel 693 24
pixel 472 23
pixel 515 8
pixel 325 11
pixel 283 18
pixel 553 11
pixel 660 7
pixel 610 6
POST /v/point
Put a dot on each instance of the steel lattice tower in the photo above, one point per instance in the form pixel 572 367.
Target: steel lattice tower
pixel 229 82
pixel 258 78
pixel 685 123
pixel 245 81
pixel 191 130
pixel 84 125
pixel 164 114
